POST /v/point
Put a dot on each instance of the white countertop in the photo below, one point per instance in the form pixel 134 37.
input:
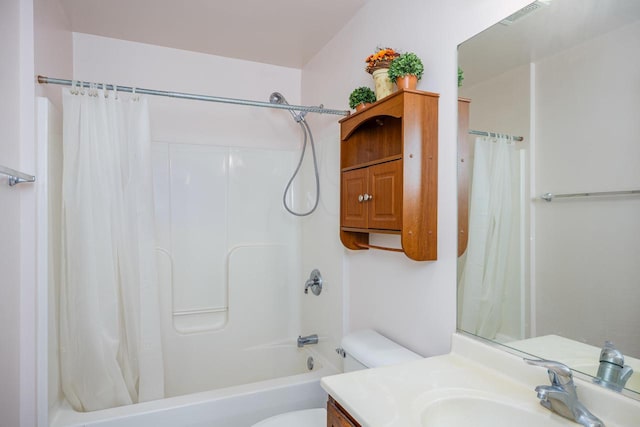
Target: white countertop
pixel 395 396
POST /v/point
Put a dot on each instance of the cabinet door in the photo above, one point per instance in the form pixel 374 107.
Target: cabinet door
pixel 336 417
pixel 353 208
pixel 385 196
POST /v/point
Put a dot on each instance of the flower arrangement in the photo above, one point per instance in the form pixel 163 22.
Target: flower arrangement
pixel 381 59
pixel 406 64
pixel 361 95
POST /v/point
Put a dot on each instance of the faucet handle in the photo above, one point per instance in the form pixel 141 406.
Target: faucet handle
pixel 559 373
pixel 611 354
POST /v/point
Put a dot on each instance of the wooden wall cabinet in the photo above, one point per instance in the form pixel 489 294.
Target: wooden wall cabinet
pixel 337 416
pixel 389 174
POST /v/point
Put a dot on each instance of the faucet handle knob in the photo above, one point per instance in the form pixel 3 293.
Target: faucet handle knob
pixel 611 354
pixel 559 373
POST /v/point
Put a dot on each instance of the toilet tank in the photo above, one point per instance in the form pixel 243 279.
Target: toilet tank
pixel 368 349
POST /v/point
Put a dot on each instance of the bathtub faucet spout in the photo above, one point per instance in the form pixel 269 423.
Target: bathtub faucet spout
pixel 309 339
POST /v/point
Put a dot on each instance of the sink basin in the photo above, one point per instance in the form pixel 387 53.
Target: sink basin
pixel 477 411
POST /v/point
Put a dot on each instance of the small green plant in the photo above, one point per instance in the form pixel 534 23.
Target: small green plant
pixel 361 95
pixel 404 65
pixel 460 76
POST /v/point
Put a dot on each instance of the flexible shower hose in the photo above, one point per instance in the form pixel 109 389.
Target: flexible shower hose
pixel 307 135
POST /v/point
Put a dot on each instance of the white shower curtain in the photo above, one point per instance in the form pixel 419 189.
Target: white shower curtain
pixel 493 222
pixel 110 343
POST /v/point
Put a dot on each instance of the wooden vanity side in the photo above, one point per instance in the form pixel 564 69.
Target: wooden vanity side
pixel 337 416
pixel 420 186
pixel 464 178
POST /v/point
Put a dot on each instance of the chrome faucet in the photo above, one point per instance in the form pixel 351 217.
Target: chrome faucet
pixel 612 372
pixel 314 282
pixel 561 397
pixel 309 339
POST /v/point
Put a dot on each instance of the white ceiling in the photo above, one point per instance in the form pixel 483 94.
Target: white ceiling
pixel 540 34
pixel 280 32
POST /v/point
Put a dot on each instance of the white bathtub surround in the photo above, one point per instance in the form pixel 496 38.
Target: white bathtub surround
pixel 110 347
pixel 474 383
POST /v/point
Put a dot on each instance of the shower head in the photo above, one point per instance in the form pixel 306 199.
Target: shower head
pixel 278 98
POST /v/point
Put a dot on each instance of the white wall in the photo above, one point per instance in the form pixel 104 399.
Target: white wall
pixel 10 225
pixel 587 249
pixel 17 247
pixel 501 104
pixel 53 46
pixel 414 303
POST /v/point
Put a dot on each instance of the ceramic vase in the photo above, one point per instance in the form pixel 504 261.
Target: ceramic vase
pixel 383 86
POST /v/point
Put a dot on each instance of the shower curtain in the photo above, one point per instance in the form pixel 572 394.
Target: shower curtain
pixel 110 343
pixel 493 225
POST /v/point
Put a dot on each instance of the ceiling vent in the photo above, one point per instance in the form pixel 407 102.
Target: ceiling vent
pixel 525 11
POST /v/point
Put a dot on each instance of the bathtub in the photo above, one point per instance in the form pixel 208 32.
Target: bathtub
pixel 292 386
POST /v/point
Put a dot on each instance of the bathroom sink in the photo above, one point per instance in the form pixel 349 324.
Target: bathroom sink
pixel 473 386
pixel 479 411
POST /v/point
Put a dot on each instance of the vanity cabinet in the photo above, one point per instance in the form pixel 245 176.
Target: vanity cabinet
pixel 389 174
pixel 337 416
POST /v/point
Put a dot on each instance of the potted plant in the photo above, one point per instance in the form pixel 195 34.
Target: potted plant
pixel 361 97
pixel 406 70
pixel 460 76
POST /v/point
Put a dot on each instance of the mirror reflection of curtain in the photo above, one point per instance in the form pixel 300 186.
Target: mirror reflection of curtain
pixel 110 344
pixel 489 283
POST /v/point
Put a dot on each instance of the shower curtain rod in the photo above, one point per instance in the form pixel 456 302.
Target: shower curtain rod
pixel 483 133
pixel 310 109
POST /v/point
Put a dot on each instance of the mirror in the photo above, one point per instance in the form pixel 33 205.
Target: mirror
pixel 556 278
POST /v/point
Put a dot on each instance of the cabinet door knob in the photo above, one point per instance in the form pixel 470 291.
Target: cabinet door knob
pixel 361 198
pixel 368 197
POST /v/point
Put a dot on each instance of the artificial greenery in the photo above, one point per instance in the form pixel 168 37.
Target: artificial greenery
pixel 361 95
pixel 404 65
pixel 460 76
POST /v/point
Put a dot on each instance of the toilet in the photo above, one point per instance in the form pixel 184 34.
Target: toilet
pixel 362 349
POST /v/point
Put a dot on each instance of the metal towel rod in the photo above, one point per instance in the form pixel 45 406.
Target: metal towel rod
pixel 550 196
pixel 16 177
